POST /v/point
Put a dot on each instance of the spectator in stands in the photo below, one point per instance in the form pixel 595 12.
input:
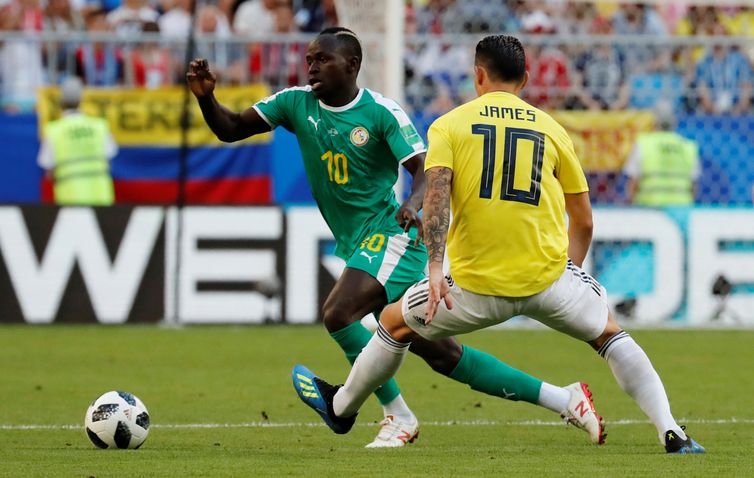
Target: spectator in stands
pixel 95 5
pixel 637 19
pixel 23 15
pixel 59 17
pixel 464 16
pixel 149 63
pixel 281 64
pixel 740 22
pixel 21 70
pixel 663 166
pixel 129 18
pixel 429 18
pixel 255 17
pixel 547 64
pixel 98 63
pixel 229 58
pixel 577 19
pixel 724 79
pixel 642 20
pixel 600 75
pixel 316 15
pixel 176 21
pixel 700 20
pixel 76 152
pixel 442 67
pixel 483 16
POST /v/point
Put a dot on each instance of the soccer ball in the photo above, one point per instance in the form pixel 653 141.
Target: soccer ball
pixel 117 420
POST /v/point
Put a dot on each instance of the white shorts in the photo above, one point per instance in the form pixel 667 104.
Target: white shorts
pixel 575 304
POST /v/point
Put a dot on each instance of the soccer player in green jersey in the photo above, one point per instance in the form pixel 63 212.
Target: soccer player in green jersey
pixel 352 142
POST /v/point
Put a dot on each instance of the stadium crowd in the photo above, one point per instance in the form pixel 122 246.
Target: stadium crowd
pixel 573 57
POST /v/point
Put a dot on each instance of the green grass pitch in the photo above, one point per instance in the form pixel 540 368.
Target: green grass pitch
pixel 222 404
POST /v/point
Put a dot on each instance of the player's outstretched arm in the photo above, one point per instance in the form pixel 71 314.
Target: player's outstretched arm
pixel 408 214
pixel 227 125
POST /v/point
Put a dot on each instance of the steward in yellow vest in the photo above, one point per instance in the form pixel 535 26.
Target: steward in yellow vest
pixel 662 168
pixel 77 150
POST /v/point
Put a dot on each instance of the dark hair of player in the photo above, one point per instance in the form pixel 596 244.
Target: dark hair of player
pixel 503 57
pixel 347 40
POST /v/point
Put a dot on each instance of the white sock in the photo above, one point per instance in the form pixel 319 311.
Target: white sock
pixel 377 362
pixel 553 398
pixel 399 409
pixel 638 378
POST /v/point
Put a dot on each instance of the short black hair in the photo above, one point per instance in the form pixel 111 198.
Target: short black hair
pixel 502 56
pixel 347 40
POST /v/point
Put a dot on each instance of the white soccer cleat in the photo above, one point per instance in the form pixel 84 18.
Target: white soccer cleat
pixel 581 413
pixel 394 433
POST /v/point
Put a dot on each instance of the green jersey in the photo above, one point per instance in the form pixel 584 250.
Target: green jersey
pixel 351 156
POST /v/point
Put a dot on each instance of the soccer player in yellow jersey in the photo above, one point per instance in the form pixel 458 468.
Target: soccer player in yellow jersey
pixel 509 173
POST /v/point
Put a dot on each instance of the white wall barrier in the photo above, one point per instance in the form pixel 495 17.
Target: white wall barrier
pixel 264 264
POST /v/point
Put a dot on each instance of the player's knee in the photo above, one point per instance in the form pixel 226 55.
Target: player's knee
pixel 391 319
pixel 442 355
pixel 611 328
pixel 445 364
pixel 335 317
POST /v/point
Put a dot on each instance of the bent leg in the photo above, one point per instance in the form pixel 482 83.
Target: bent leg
pixel 575 304
pixel 377 363
pixel 636 376
pixel 355 295
pixel 481 371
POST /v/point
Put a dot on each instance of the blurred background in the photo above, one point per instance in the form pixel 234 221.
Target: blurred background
pixel 657 97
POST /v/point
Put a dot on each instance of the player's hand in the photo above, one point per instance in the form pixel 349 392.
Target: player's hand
pixel 408 217
pixel 438 290
pixel 200 78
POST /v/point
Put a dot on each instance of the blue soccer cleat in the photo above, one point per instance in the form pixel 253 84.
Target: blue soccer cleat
pixel 674 444
pixel 319 394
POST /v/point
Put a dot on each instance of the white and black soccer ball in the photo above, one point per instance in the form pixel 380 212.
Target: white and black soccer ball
pixel 117 420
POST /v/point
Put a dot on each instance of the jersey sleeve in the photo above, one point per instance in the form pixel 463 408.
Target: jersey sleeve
pixel 440 151
pixel 568 170
pixel 275 109
pixel 399 132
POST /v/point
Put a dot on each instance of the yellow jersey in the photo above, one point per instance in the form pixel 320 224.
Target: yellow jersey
pixel 511 165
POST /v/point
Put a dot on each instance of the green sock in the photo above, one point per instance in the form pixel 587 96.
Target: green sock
pixel 484 373
pixel 352 339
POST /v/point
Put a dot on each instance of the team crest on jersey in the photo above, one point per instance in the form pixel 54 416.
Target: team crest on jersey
pixel 359 136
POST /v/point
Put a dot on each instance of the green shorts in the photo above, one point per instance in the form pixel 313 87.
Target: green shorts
pixel 392 259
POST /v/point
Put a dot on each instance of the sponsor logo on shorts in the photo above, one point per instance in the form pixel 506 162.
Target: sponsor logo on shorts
pixel 418 319
pixel 368 256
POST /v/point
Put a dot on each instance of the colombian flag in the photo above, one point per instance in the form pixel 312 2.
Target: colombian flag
pixel 146 125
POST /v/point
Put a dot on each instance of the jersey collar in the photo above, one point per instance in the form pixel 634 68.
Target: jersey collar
pixel 338 109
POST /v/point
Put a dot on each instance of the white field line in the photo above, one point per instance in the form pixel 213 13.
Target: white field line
pixel 451 423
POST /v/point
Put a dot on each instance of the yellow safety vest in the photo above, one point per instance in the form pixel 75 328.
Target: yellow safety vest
pixel 667 165
pixel 82 171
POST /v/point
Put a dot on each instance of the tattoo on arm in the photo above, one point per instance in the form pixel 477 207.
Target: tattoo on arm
pixel 437 212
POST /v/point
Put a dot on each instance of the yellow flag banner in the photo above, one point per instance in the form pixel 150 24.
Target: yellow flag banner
pixel 140 117
pixel 603 139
